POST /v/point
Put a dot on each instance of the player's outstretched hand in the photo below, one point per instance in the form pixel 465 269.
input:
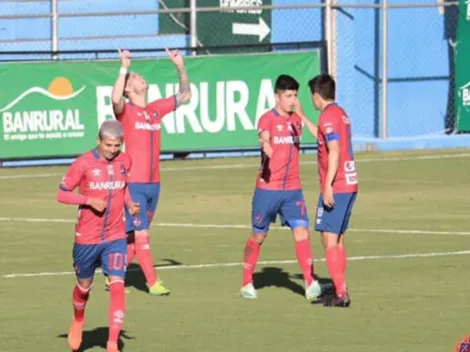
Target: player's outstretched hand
pixel 125 58
pixel 98 204
pixel 328 199
pixel 134 208
pixel 175 57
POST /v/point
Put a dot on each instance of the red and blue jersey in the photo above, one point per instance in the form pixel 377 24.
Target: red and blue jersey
pixel 142 137
pixel 281 171
pixel 97 177
pixel 334 125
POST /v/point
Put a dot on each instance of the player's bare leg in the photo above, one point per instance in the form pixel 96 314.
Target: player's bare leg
pixel 304 256
pixel 250 259
pixel 144 255
pixel 336 262
pixel 117 309
pixel 80 298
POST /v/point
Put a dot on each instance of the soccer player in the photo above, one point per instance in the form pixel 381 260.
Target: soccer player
pixel 338 180
pixel 142 130
pixel 100 234
pixel 279 189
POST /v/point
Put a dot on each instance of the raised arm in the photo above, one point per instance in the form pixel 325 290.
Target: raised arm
pixel 312 128
pixel 184 93
pixel 120 84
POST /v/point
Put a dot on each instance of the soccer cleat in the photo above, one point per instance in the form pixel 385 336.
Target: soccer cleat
pixel 112 347
pixel 339 301
pixel 313 291
pixel 106 283
pixel 158 289
pixel 248 291
pixel 74 338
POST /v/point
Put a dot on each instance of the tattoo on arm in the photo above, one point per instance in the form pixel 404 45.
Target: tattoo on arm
pixel 184 93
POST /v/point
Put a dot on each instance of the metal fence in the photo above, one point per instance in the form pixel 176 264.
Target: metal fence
pixel 387 57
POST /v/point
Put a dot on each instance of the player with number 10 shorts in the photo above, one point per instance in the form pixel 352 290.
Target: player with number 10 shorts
pixel 278 188
pixel 100 235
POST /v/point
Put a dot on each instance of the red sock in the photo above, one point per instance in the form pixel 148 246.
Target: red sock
pixel 250 259
pixel 79 300
pixel 334 263
pixel 117 309
pixel 130 252
pixel 343 259
pixel 303 251
pixel 142 250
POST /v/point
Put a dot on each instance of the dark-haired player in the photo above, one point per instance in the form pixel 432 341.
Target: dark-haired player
pixel 338 179
pixel 142 131
pixel 278 188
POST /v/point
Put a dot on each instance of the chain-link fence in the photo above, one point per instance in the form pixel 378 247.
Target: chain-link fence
pixel 420 41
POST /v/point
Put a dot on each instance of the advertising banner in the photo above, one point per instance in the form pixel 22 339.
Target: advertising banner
pixel 54 109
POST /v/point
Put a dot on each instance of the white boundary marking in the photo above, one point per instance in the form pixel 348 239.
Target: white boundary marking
pixel 268 262
pixel 240 166
pixel 238 226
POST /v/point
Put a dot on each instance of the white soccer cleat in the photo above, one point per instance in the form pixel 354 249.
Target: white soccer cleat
pixel 313 291
pixel 248 291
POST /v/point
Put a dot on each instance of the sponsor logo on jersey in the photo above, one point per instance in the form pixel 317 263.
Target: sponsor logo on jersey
pixel 106 185
pixel 145 126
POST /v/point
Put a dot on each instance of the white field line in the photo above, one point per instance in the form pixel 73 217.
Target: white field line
pixel 268 262
pixel 238 226
pixel 240 166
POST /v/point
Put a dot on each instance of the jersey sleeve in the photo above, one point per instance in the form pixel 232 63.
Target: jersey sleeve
pixel 73 177
pixel 264 124
pixel 164 106
pixel 329 126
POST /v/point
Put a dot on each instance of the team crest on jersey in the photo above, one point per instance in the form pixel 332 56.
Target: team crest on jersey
pixel 123 170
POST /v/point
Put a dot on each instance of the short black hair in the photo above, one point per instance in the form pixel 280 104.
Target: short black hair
pixel 324 85
pixel 286 82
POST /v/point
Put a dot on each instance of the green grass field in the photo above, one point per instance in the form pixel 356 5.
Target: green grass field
pixel 408 274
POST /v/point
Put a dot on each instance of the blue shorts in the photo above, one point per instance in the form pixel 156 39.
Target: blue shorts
pixel 289 205
pixel 335 220
pixel 110 256
pixel 146 194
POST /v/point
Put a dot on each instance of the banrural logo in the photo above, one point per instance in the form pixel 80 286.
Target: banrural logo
pixel 39 113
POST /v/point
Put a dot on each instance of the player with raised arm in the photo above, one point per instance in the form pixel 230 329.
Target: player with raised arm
pixel 279 189
pixel 338 180
pixel 142 130
pixel 100 235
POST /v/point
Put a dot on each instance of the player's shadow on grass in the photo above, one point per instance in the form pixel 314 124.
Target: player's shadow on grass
pixel 135 277
pixel 276 277
pixel 98 338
